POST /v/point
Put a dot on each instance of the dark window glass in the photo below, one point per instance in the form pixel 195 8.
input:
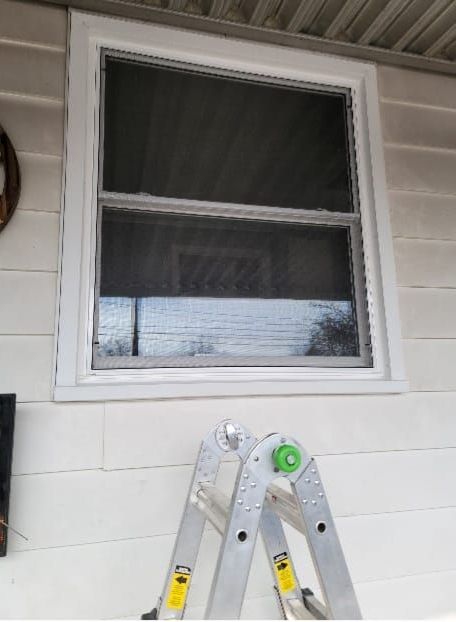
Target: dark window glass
pixel 183 134
pixel 220 289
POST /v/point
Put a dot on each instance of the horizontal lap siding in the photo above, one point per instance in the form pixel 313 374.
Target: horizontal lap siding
pixel 21 292
pixel 98 488
pixel 418 169
pixel 126 575
pixel 431 364
pixel 52 437
pixel 428 313
pixel 426 263
pixel 33 24
pixel 417 88
pixel 34 124
pixel 423 215
pixel 32 65
pixel 44 68
pixel 424 596
pixel 335 425
pixel 26 366
pixel 83 507
pixel 330 425
pixel 30 242
pixel 41 177
pixel 419 125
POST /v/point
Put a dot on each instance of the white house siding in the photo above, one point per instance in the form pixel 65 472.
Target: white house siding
pixel 98 487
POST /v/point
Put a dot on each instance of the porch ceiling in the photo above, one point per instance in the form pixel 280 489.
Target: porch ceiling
pixel 413 33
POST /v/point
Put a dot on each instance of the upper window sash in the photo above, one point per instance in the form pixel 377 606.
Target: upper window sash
pixel 253 88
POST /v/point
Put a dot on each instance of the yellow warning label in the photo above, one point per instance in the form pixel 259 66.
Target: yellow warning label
pixel 285 574
pixel 178 588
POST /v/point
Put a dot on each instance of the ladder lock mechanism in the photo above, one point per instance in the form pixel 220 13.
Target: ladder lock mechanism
pixel 287 458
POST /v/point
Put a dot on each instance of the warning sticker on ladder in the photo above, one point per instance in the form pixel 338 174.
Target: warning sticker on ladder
pixel 178 588
pixel 285 574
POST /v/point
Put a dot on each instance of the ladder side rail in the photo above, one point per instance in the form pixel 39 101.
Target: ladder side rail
pixel 172 602
pixel 254 476
pixel 238 544
pixel 324 545
pixel 187 543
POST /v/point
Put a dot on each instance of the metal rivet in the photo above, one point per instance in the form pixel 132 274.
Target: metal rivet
pixel 240 501
pixel 304 500
pixel 313 470
pixel 317 483
pixel 246 476
pixel 243 488
pixel 258 506
pixel 252 484
pixel 320 494
pixel 247 509
pixel 314 502
pixel 256 458
pixel 307 480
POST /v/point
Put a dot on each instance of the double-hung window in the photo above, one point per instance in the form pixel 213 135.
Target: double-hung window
pixel 223 222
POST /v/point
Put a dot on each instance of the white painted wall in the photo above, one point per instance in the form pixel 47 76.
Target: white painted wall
pixel 98 488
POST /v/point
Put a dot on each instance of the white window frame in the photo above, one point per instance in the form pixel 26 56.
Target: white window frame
pixel 75 379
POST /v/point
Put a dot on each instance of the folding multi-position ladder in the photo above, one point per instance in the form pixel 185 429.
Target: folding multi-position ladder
pixel 258 504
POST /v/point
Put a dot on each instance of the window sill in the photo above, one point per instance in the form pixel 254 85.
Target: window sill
pixel 226 384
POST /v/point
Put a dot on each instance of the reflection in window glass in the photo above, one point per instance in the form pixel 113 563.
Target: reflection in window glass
pixel 205 327
pixel 116 328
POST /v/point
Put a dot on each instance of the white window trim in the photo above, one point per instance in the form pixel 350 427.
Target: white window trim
pixel 75 380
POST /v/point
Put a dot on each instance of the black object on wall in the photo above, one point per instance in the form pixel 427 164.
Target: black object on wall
pixel 7 412
pixel 9 194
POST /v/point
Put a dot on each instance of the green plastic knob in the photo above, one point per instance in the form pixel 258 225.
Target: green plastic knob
pixel 287 458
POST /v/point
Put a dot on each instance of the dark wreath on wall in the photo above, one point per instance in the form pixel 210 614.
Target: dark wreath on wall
pixel 12 185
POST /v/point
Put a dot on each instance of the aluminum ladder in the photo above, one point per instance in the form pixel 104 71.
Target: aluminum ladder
pixel 257 504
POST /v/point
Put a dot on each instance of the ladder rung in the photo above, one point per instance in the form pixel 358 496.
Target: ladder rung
pixel 214 504
pixel 313 605
pixel 293 609
pixel 312 609
pixel 284 505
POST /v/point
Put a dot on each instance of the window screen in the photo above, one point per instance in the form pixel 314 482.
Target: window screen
pixel 228 227
pixel 173 133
